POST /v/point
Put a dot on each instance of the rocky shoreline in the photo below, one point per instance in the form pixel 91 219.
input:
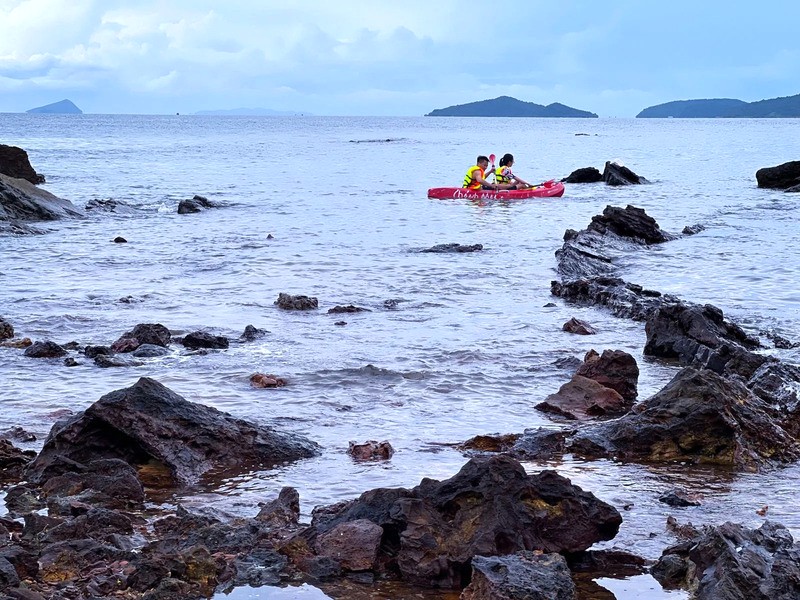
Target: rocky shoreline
pixel 80 524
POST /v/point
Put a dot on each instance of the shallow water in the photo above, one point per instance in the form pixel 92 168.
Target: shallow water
pixel 470 347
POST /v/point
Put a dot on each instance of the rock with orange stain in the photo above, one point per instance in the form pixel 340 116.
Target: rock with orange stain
pixel 262 380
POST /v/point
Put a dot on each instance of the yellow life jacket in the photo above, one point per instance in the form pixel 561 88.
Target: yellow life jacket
pixel 469 179
pixel 503 175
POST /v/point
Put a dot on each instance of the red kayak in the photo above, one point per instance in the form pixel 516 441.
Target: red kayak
pixel 548 189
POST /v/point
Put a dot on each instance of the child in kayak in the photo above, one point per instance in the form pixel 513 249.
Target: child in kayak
pixel 475 179
pixel 505 179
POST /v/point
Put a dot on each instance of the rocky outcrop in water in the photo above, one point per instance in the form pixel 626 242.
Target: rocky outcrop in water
pixel 781 177
pixel 149 424
pixel 143 333
pixel 613 174
pixel 22 202
pixel 454 248
pixel 14 162
pixel 520 576
pixel 290 302
pixel 6 330
pixel 490 507
pixel 195 205
pixel 731 561
pixel 584 175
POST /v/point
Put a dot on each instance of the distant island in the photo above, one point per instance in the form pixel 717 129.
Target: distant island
pixel 788 106
pixel 64 107
pixel 506 106
pixel 252 112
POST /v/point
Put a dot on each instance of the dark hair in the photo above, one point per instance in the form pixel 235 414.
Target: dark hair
pixel 507 158
pixel 481 158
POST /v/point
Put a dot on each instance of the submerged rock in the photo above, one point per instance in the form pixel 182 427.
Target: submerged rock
pixel 289 302
pixel 195 205
pixel 453 248
pixel 147 423
pixel 144 333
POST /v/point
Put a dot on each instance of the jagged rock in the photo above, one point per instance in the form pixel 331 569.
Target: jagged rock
pixel 149 423
pixel 6 330
pixel 203 339
pixel 346 309
pixel 731 561
pixel 144 333
pixel 150 351
pixel 20 200
pixel 629 222
pixel 578 327
pixel 371 450
pixel 252 333
pixel 45 349
pixel 490 507
pixel 584 175
pixel 783 176
pixel 289 302
pixel 614 369
pixel 262 380
pixel 616 174
pixel 353 544
pixel 14 162
pixel 520 576
pixel 284 510
pixel 196 204
pixel 582 398
pixel 693 229
pixel 13 461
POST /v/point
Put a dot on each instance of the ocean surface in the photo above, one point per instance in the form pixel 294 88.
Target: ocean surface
pixel 467 344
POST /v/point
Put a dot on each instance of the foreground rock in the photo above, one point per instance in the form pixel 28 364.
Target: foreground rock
pixel 14 162
pixel 699 417
pixel 490 507
pixel 148 423
pixel 22 202
pixel 782 177
pixel 520 576
pixel 731 562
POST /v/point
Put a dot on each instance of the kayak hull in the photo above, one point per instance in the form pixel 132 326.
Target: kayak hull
pixel 548 189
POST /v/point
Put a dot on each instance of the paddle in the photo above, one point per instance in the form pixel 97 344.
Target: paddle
pixel 491 159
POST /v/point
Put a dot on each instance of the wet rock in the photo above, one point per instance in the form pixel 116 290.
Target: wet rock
pixel 195 205
pixel 110 205
pixel 520 576
pixel 453 248
pixel 263 380
pixel 288 302
pixel 371 450
pixel 203 339
pixel 490 443
pixel 778 383
pixel 14 162
pixel 24 499
pixel 144 333
pixel 13 461
pixel 622 299
pixel 336 310
pixel 781 177
pixel 94 351
pixel 252 333
pixel 109 483
pixel 106 362
pixel 615 174
pixel 793 190
pixel 629 222
pixel 71 362
pixel 8 574
pixel 490 507
pixel 150 351
pixel 613 369
pixel 340 323
pixel 18 434
pixel 540 444
pixel 148 422
pixel 19 344
pixel 578 327
pixel 698 417
pixel 98 524
pixel 45 349
pixel 120 240
pixel 732 561
pixel 693 229
pixel 353 544
pixel 284 510
pixel 6 330
pixel 584 175
pixel 582 399
pixel 677 498
pixel 69 560
pixel 21 201
pixel 261 567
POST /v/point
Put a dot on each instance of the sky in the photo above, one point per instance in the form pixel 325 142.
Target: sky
pixel 394 58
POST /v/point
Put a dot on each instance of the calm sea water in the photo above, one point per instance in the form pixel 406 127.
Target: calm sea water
pixel 470 347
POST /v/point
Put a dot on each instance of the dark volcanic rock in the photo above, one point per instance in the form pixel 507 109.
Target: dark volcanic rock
pixel 698 417
pixel 15 163
pixel 783 176
pixel 615 174
pixel 585 175
pixel 731 562
pixel 252 333
pixel 110 483
pixel 578 327
pixel 144 333
pixel 520 576
pixel 45 349
pixel 148 423
pixel 614 369
pixel 20 200
pixel 622 299
pixel 629 222
pixel 453 248
pixel 582 398
pixel 203 339
pixel 196 204
pixel 371 450
pixel 490 507
pixel 6 330
pixel 346 309
pixel 13 461
pixel 289 302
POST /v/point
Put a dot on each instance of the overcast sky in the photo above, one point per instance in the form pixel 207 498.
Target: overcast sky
pixel 398 57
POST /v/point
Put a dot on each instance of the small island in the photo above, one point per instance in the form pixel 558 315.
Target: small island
pixel 785 107
pixel 506 106
pixel 64 107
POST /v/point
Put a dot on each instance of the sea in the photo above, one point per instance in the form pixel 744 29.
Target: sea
pixel 451 346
